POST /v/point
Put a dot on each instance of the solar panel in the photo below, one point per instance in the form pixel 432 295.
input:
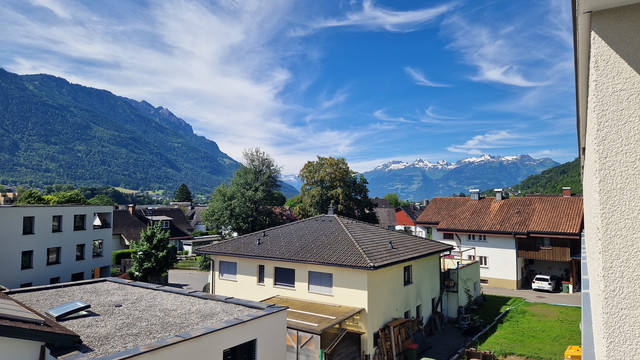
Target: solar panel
pixel 68 309
pixel 11 311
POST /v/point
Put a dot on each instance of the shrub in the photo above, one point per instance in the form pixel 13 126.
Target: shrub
pixel 115 272
pixel 204 262
pixel 118 255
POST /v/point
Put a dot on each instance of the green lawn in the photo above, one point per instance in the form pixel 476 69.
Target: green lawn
pixel 535 331
pixel 188 264
pixel 495 305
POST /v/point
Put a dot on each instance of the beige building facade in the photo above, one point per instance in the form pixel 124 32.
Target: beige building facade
pixel 607 54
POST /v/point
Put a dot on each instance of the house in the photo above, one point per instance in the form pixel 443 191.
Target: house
pixel 48 244
pixel 129 222
pixel 406 217
pixel 513 238
pixel 607 72
pixel 8 198
pixel 367 274
pixel 134 320
pixel 462 284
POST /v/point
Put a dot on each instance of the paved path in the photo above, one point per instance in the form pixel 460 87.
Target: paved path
pixel 538 296
pixel 188 279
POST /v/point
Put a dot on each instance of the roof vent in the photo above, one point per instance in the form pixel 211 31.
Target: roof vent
pixel 69 310
pixel 258 242
pixel 391 245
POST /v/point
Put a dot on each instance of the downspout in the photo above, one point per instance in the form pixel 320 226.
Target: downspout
pixel 517 264
pixel 212 282
pixel 459 247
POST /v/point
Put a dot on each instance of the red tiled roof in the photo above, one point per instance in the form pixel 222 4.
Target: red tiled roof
pixel 559 215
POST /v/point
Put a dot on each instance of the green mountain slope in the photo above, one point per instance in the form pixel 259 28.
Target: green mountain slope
pixel 552 180
pixel 56 132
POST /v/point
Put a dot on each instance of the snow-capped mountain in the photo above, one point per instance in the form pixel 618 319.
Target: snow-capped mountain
pixel 422 179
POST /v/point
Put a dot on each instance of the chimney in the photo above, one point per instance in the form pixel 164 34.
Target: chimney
pixel 566 191
pixel 475 194
pixel 330 212
pixel 425 202
pixel 498 194
pixel 132 208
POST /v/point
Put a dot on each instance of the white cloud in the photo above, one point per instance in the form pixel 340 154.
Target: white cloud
pixel 491 140
pixel 419 78
pixel 376 18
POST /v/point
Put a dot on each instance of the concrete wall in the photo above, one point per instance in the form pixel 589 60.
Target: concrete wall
pixel 269 331
pixel 611 180
pixel 14 243
pixel 469 278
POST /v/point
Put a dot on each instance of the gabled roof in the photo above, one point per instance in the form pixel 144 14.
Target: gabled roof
pixel 386 216
pixel 381 203
pixel 411 211
pixel 521 215
pixel 329 240
pixel 130 226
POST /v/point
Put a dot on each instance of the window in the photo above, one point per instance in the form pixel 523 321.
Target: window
pixel 543 242
pixel 77 276
pixel 320 282
pixel 407 314
pixel 244 351
pixel 27 259
pixel 79 222
pixel 481 259
pixel 482 237
pixel 447 236
pixel 53 255
pixel 56 223
pixel 25 285
pixel 285 277
pixel 228 270
pixel 471 237
pixel 28 225
pixel 79 252
pixel 261 274
pixel 419 312
pixel 166 224
pixel 54 280
pixel 97 248
pixel 408 278
pixel 102 220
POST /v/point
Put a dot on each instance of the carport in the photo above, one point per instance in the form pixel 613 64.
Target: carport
pixel 320 330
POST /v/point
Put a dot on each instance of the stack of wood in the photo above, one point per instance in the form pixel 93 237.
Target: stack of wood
pixel 394 338
pixel 473 354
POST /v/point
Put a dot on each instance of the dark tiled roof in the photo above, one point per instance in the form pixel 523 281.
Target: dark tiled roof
pixel 412 211
pixel 557 215
pixel 130 226
pixel 329 240
pixel 386 216
pixel 381 203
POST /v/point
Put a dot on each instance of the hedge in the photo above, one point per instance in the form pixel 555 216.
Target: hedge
pixel 118 255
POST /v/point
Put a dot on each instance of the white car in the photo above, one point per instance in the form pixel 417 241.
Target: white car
pixel 544 282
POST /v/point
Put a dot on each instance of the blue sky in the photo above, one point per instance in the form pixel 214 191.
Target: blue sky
pixel 371 81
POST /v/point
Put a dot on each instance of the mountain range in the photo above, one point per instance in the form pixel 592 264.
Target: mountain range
pixel 422 179
pixel 55 132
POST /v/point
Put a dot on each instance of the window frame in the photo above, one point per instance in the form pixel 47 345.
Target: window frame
pixel 260 275
pixel 320 288
pixel 165 224
pixel 278 272
pixel 95 254
pixel 32 225
pixel 22 258
pixel 56 260
pixel 447 236
pixel 82 256
pixel 54 280
pixel 408 275
pixel 75 222
pixel 228 275
pixel 56 223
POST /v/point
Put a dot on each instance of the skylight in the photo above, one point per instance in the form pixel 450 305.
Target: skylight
pixel 68 310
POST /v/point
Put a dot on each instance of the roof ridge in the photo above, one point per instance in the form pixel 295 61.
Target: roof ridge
pixel 354 241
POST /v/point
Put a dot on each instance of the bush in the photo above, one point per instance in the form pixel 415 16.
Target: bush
pixel 118 255
pixel 130 275
pixel 115 272
pixel 204 263
pixel 185 252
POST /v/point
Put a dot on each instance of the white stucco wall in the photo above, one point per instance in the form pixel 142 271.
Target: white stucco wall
pixel 269 331
pixel 18 349
pixel 611 180
pixel 14 243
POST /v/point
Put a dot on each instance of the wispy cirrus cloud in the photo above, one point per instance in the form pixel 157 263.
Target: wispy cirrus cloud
pixel 419 78
pixel 381 114
pixel 481 144
pixel 371 17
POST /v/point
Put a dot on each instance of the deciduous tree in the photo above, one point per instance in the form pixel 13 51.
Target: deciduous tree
pixel 244 206
pixel 330 181
pixel 152 254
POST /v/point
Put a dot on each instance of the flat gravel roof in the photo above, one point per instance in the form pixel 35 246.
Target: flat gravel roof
pixel 125 316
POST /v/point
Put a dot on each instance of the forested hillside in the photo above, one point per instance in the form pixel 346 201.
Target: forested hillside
pixel 552 180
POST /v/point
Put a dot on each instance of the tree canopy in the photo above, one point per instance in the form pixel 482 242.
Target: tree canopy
pixel 394 200
pixel 245 204
pixel 183 194
pixel 330 181
pixel 152 255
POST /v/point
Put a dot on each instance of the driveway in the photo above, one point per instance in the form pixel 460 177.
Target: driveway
pixel 558 298
pixel 188 279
